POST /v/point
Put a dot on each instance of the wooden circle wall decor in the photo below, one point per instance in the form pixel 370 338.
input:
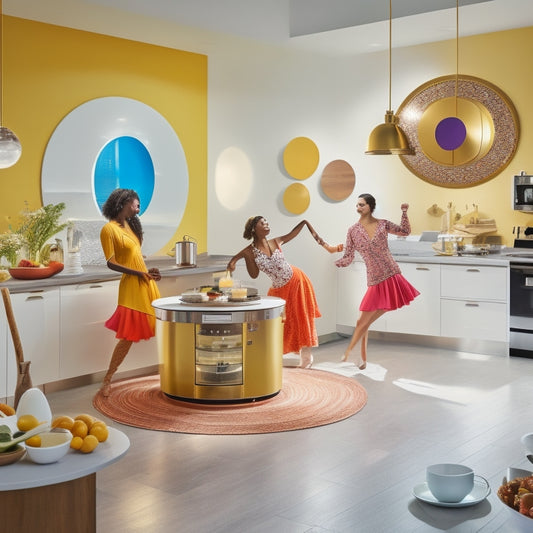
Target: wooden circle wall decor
pixel 300 158
pixel 459 140
pixel 296 198
pixel 338 180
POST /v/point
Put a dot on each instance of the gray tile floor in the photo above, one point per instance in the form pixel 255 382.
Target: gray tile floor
pixel 424 406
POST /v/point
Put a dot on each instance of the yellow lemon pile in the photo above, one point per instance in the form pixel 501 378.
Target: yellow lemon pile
pixel 87 431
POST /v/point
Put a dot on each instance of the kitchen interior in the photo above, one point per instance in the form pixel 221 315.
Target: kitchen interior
pixel 470 252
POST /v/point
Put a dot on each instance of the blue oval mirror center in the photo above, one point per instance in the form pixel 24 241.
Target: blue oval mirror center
pixel 124 163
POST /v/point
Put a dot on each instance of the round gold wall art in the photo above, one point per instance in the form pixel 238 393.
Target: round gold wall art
pixel 338 180
pixel 300 158
pixel 296 198
pixel 459 140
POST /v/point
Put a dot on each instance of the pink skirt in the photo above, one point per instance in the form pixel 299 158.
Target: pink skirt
pixel 390 294
pixel 131 325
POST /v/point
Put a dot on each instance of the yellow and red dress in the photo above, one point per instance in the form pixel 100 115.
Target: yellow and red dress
pixel 301 308
pixel 134 317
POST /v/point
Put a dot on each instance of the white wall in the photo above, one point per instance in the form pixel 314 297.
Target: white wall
pixel 260 99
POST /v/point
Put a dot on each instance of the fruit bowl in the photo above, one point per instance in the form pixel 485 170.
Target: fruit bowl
pixel 35 272
pixel 12 456
pixel 54 445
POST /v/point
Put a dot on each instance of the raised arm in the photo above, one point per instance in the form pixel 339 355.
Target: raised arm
pixel 404 228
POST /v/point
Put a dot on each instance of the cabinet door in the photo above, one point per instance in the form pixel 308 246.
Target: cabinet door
pixel 475 282
pixel 86 344
pixel 474 320
pixel 351 287
pixel 3 355
pixel 422 315
pixel 37 317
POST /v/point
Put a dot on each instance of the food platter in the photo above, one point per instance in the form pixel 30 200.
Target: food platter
pixel 231 302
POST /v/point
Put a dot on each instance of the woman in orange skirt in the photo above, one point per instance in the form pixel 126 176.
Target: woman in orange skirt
pixel 288 282
pixel 121 239
pixel 387 288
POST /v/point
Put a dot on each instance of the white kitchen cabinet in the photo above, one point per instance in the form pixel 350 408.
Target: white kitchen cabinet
pixel 471 319
pixel 37 317
pixel 422 315
pixel 475 302
pixel 351 287
pixel 3 355
pixel 86 344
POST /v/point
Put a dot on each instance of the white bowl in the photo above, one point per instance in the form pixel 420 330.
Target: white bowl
pixel 34 402
pixel 54 445
pixel 520 522
pixel 527 441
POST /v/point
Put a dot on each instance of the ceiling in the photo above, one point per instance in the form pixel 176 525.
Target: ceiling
pixel 334 27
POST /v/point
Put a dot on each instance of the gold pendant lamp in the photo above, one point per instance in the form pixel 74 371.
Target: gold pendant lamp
pixel 10 147
pixel 388 138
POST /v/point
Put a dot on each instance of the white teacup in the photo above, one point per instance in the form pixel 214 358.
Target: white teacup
pixel 448 482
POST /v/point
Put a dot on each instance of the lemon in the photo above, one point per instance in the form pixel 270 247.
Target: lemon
pixel 27 422
pixel 79 429
pixel 65 422
pixel 90 442
pixel 34 441
pixel 100 431
pixel 76 443
pixel 88 419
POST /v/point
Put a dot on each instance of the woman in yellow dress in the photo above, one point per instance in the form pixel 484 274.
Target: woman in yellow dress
pixel 121 238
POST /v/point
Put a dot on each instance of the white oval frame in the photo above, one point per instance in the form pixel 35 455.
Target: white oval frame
pixel 72 151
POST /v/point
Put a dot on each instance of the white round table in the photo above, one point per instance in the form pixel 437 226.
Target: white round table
pixel 59 496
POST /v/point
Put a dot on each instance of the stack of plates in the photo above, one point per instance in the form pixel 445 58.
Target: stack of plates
pixel 194 297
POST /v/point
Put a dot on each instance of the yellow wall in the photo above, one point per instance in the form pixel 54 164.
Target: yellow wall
pixel 50 70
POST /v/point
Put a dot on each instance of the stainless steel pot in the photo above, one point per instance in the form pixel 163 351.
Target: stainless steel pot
pixel 186 252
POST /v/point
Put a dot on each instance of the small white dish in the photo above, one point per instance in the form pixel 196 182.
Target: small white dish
pixel 480 491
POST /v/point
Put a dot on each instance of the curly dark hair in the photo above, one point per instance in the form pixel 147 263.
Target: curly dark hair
pixel 249 227
pixel 114 205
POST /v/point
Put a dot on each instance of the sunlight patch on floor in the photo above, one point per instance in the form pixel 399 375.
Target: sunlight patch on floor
pixel 349 370
pixel 460 395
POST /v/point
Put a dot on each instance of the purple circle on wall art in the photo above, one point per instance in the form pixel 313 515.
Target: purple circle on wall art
pixel 450 133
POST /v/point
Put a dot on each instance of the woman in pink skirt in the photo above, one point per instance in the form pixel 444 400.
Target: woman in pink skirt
pixel 387 288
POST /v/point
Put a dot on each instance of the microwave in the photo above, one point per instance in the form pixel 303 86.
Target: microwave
pixel 523 192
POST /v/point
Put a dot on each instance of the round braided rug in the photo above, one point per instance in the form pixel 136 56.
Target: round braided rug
pixel 308 398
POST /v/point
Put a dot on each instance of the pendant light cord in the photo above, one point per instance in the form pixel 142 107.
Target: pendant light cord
pixel 456 53
pixel 390 53
pixel 2 62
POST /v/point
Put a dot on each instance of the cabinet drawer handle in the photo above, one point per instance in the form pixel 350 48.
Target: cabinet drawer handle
pixel 30 298
pixel 422 268
pixel 95 286
pixel 472 269
pixel 471 304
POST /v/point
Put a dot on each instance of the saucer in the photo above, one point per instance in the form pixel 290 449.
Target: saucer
pixel 480 491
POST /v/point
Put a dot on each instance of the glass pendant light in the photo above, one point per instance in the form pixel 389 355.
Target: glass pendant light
pixel 10 147
pixel 388 138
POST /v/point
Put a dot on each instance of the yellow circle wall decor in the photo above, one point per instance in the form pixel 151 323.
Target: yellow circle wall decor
pixel 296 198
pixel 300 158
pixel 338 180
pixel 463 130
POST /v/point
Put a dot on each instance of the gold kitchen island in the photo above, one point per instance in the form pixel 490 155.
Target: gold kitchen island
pixel 224 352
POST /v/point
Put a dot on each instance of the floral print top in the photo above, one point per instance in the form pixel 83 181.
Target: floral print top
pixel 380 265
pixel 275 267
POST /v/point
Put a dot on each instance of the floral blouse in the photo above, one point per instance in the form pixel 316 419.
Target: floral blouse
pixel 380 265
pixel 275 267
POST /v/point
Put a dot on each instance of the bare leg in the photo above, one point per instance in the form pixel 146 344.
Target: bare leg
pixel 306 358
pixel 364 341
pixel 361 332
pixel 119 353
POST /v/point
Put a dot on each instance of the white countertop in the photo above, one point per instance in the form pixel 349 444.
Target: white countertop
pixel 26 474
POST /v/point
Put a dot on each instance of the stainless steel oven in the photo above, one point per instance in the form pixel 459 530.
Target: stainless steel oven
pixel 521 303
